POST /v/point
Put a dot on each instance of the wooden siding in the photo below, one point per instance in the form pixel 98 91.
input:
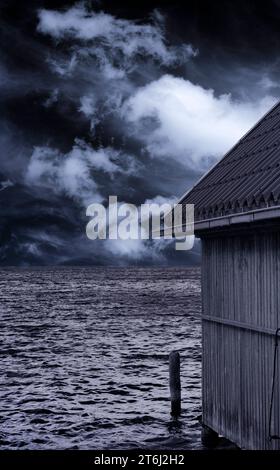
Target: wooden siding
pixel 240 289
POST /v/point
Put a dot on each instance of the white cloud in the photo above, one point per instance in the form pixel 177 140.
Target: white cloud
pixel 172 117
pixel 72 173
pixel 5 184
pixel 52 99
pixel 88 106
pixel 114 42
pixel 63 68
pixel 190 123
pixel 101 55
pixel 267 83
pixel 133 249
pixel 162 200
pixel 90 109
pixel 138 250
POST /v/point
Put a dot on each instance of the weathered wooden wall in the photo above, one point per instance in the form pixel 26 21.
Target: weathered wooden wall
pixel 241 310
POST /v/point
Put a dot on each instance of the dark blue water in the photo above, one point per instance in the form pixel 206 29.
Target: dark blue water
pixel 84 357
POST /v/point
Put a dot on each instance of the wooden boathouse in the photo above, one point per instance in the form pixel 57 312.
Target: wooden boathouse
pixel 237 218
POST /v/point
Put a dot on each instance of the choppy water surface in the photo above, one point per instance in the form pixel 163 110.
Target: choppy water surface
pixel 84 357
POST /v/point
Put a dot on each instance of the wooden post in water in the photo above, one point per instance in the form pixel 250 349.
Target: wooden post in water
pixel 175 383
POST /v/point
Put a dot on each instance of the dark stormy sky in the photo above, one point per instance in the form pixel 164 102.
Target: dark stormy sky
pixel 131 99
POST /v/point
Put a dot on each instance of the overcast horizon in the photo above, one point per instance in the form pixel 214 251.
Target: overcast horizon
pixel 100 99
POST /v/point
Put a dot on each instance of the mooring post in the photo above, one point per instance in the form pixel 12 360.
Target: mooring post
pixel 175 383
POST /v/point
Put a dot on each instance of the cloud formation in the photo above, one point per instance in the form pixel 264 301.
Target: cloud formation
pixel 72 173
pixel 171 117
pixel 98 105
pixel 191 124
pixel 107 36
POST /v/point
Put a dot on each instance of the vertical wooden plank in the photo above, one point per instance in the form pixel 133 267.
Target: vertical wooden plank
pixel 240 280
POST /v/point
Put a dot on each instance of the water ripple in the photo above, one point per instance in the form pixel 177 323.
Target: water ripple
pixel 84 354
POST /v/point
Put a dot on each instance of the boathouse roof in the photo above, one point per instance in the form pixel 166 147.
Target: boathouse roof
pixel 246 179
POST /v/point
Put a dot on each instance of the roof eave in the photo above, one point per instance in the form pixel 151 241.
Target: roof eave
pixel 232 221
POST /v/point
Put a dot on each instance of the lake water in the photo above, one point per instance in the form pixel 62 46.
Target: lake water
pixel 84 357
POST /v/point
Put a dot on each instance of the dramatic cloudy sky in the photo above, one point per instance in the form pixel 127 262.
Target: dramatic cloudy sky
pixel 132 99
